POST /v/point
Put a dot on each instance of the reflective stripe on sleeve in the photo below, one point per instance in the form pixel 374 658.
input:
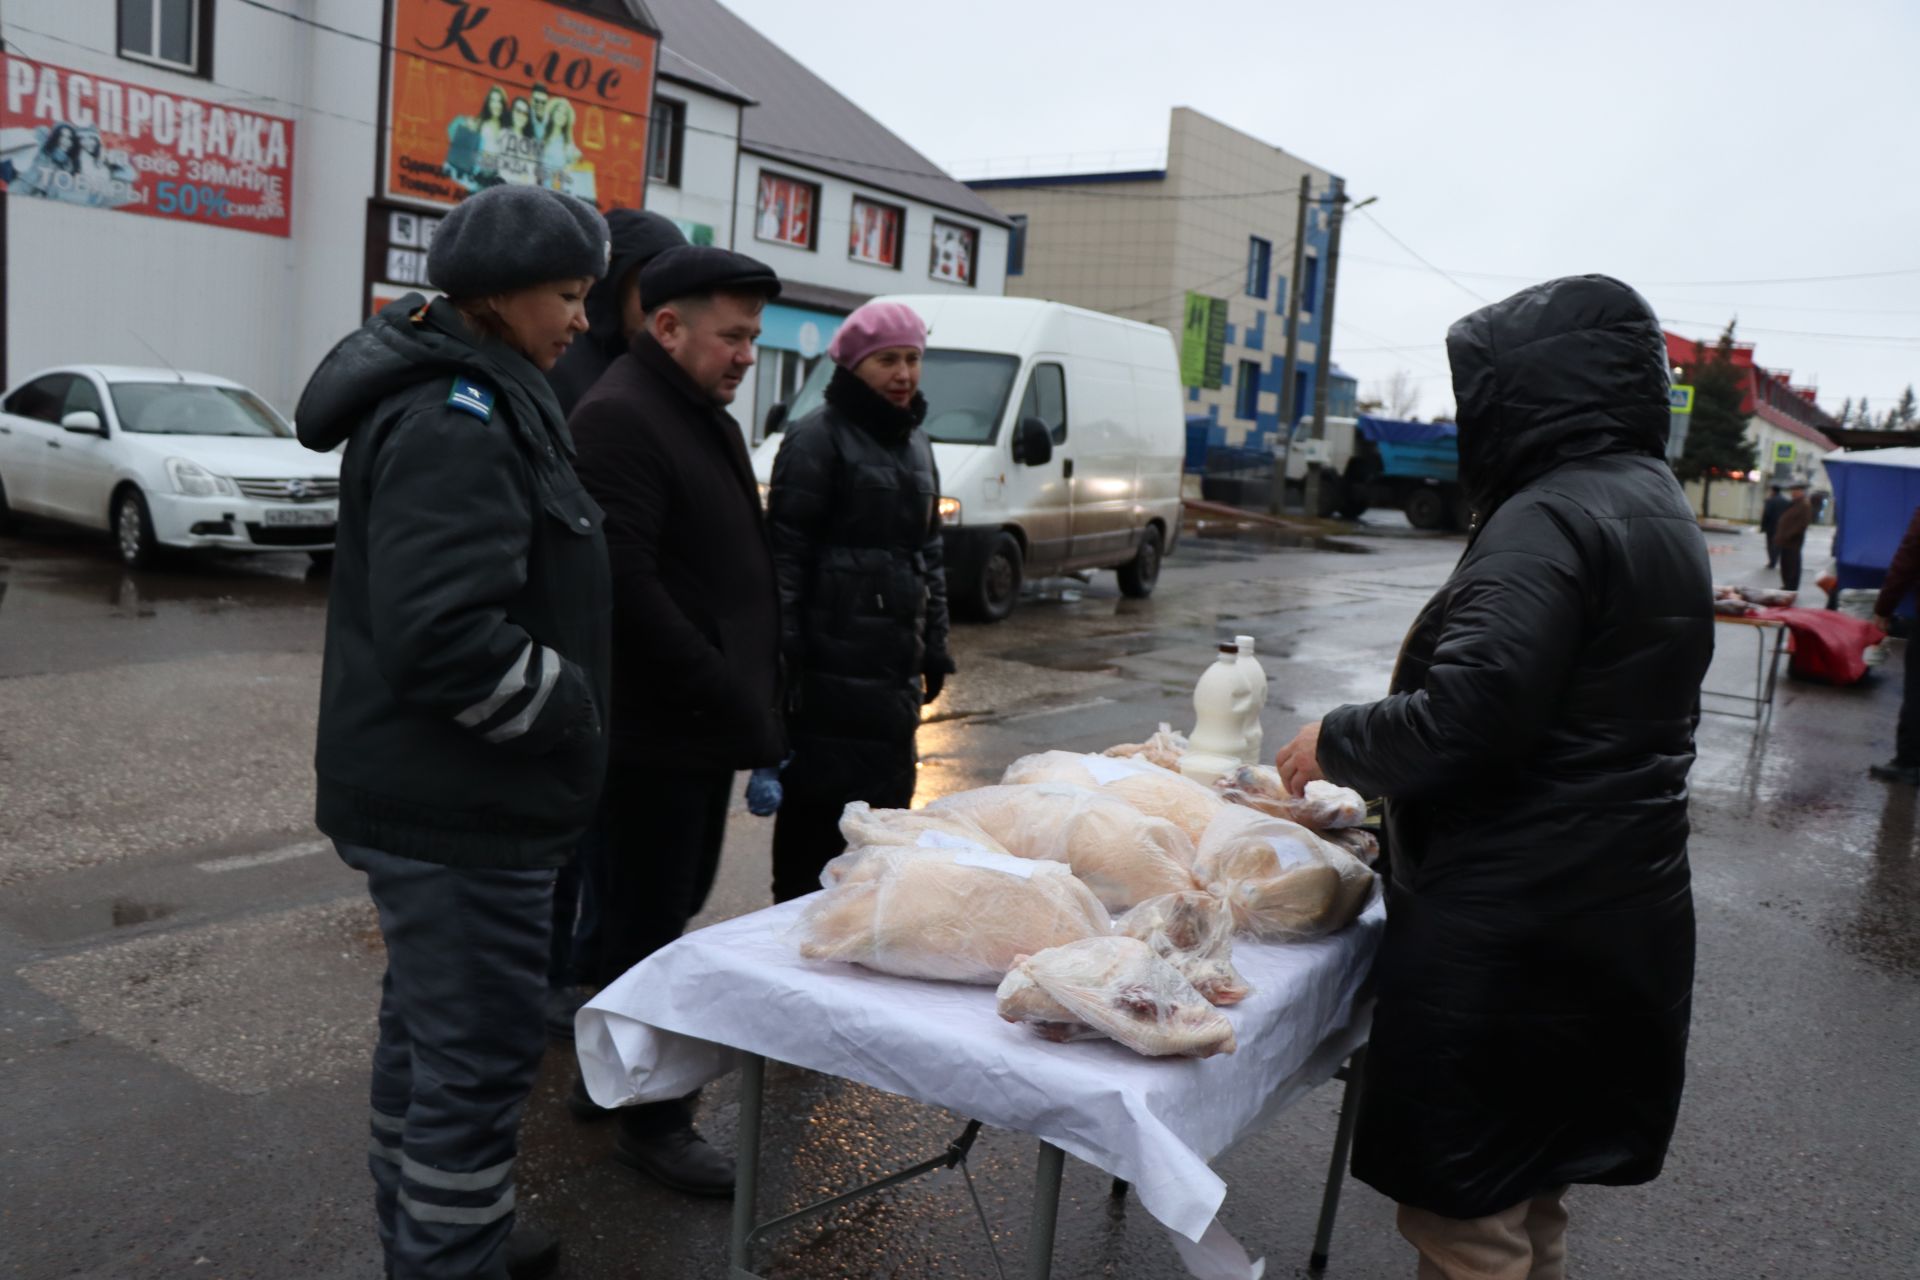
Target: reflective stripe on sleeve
pixel 549 672
pixel 513 682
pixel 423 1212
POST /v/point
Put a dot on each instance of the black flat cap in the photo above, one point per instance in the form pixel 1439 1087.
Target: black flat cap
pixel 692 269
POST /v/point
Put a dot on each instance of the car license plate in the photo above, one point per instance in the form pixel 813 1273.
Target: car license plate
pixel 303 516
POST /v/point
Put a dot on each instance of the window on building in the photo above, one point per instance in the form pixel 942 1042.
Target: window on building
pixel 170 33
pixel 789 211
pixel 1246 390
pixel 956 250
pixel 875 235
pixel 1259 266
pixel 666 139
pixel 1046 399
pixel 1309 284
pixel 1017 246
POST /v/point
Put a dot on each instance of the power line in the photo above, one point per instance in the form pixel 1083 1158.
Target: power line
pixel 1411 252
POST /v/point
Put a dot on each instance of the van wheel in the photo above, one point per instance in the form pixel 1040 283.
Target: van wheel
pixel 1138 576
pixel 133 530
pixel 997 588
pixel 6 512
pixel 1426 509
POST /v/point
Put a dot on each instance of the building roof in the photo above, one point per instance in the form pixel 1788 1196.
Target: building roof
pixel 1766 394
pixel 1774 418
pixel 800 118
pixel 687 71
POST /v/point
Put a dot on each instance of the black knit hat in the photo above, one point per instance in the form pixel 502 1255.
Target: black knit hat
pixel 509 237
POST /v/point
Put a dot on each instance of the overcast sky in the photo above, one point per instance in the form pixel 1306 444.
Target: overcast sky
pixel 1507 141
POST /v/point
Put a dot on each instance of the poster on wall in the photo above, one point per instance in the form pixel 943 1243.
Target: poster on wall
pixel 527 93
pixel 954 249
pixel 100 143
pixel 785 211
pixel 875 236
pixel 1203 341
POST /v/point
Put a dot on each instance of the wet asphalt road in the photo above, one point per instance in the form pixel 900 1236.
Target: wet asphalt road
pixel 188 976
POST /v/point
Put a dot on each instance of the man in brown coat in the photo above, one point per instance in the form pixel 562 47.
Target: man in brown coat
pixel 1791 534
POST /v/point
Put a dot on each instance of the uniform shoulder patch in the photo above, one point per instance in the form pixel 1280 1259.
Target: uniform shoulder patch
pixel 470 397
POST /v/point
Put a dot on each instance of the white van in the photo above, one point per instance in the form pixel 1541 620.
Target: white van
pixel 1059 436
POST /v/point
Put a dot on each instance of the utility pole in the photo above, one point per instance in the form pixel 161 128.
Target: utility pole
pixel 1323 350
pixel 1277 503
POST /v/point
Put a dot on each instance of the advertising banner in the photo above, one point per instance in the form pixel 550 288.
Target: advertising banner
pixel 785 210
pixel 955 250
pixel 1203 341
pixel 101 143
pixel 516 91
pixel 875 235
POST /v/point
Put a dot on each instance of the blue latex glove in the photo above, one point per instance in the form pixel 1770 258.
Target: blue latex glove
pixel 763 792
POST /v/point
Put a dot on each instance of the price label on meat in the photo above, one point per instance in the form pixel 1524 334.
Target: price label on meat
pixel 89 140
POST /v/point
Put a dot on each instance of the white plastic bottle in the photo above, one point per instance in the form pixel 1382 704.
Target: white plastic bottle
pixel 1257 675
pixel 1221 701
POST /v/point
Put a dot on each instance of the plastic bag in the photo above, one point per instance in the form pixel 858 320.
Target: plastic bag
pixel 1154 791
pixel 959 915
pixel 865 827
pixel 1358 841
pixel 1119 987
pixel 1193 932
pixel 1124 856
pixel 1164 748
pixel 1324 807
pixel 1280 880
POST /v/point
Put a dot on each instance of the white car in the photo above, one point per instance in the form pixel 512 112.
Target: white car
pixel 164 459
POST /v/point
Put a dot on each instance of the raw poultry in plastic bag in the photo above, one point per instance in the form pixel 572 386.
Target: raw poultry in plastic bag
pixel 1124 856
pixel 1153 791
pixel 865 827
pixel 1119 987
pixel 1280 880
pixel 960 915
pixel 1193 932
pixel 1164 748
pixel 1324 807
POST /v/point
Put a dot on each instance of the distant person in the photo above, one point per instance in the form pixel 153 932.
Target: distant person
pixel 1790 534
pixel 853 512
pixel 1536 976
pixel 615 316
pixel 1903 575
pixel 462 700
pixel 696 635
pixel 1777 503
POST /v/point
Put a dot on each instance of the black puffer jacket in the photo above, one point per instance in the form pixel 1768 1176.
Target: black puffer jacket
pixel 856 541
pixel 465 684
pixel 1536 976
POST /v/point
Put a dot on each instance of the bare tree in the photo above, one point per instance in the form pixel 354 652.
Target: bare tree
pixel 1398 396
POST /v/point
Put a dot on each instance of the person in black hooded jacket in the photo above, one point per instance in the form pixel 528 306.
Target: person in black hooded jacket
pixel 854 513
pixel 1536 975
pixel 462 699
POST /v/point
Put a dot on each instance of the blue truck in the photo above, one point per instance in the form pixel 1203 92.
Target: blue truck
pixel 1383 462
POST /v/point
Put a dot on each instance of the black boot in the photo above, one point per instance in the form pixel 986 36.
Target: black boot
pixel 679 1158
pixel 1895 771
pixel 582 1105
pixel 531 1252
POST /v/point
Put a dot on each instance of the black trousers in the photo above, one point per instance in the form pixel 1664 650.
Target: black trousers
pixel 460 1041
pixel 1907 736
pixel 661 832
pixel 806 837
pixel 1790 567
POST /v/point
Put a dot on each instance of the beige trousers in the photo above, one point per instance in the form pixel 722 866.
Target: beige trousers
pixel 1526 1242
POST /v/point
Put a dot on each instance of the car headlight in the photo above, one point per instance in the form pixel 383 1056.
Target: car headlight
pixel 949 511
pixel 195 481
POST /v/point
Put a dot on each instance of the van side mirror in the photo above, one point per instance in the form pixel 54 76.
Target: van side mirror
pixel 1033 443
pixel 83 422
pixel 776 417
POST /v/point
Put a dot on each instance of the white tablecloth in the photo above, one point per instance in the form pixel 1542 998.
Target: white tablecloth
pixel 674 1022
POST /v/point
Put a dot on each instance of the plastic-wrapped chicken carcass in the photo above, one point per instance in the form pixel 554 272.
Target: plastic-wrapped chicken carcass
pixel 1154 791
pixel 961 915
pixel 1358 841
pixel 1124 856
pixel 1164 748
pixel 1280 880
pixel 1324 807
pixel 866 827
pixel 1118 987
pixel 1193 932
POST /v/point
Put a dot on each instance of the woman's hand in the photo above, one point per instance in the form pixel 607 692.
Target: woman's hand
pixel 1299 761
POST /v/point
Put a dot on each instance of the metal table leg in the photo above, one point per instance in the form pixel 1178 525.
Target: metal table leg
pixel 1046 1211
pixel 1337 1167
pixel 746 1176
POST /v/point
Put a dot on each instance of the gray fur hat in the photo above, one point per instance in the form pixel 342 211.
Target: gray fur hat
pixel 509 237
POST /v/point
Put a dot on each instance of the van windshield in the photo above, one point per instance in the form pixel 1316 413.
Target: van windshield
pixel 966 393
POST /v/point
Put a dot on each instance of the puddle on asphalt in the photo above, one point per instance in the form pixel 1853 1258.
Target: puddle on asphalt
pixel 127 912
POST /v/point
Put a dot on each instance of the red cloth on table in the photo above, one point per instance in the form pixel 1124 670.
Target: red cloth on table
pixel 1827 646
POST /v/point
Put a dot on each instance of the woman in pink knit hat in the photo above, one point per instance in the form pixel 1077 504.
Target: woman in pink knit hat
pixel 854 514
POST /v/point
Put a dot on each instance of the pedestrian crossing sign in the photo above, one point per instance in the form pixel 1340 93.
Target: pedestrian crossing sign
pixel 1784 451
